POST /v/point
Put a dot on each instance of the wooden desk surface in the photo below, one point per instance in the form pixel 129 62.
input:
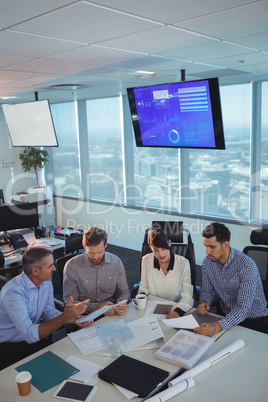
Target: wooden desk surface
pixel 240 377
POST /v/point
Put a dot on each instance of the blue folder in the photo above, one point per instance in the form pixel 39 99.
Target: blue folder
pixel 47 370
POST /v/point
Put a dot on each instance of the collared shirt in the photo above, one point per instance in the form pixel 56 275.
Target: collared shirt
pixel 83 280
pixel 239 286
pixel 22 305
pixel 176 285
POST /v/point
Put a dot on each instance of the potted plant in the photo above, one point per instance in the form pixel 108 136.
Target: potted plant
pixel 33 158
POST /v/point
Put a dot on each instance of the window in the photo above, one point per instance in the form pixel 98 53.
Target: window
pixel 66 165
pixel 106 163
pixel 105 179
pixel 263 194
pixel 219 180
pixel 156 177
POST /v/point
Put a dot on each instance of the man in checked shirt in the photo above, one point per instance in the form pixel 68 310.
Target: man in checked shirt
pixel 235 280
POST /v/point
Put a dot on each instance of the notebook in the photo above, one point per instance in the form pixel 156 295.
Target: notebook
pixel 134 375
pixel 47 370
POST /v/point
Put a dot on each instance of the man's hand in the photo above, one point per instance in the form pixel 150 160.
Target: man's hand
pixel 72 312
pixel 107 303
pixel 121 308
pixel 203 308
pixel 208 329
pixel 172 314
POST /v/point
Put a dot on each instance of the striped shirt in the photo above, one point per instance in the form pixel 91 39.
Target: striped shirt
pixel 239 286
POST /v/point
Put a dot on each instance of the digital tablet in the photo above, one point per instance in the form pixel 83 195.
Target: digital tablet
pixel 162 308
pixel 75 391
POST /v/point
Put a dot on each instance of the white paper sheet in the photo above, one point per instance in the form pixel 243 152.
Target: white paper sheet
pixel 145 330
pixel 88 370
pixel 86 339
pixel 185 322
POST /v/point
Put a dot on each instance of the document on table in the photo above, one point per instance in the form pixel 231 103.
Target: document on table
pixel 146 330
pixel 185 322
pixel 97 313
pixel 125 332
pixel 86 340
pixel 87 370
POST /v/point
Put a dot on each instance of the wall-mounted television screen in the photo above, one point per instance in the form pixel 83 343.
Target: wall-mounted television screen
pixel 183 114
pixel 30 124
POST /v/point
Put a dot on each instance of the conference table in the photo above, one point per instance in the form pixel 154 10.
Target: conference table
pixel 240 377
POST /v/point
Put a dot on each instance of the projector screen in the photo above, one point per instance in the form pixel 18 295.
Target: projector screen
pixel 30 124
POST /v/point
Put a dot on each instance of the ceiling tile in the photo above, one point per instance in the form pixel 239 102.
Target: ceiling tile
pixel 86 23
pixel 14 11
pixel 174 10
pixel 157 40
pixel 234 23
pixel 29 46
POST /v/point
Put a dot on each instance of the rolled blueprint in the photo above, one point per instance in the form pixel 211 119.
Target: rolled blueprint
pixel 172 391
pixel 222 354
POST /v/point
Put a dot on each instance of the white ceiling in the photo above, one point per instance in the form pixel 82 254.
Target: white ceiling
pixel 102 45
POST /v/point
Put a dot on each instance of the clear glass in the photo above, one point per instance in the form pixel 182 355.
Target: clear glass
pixel 104 124
pixel 156 177
pixel 263 197
pixel 219 180
pixel 66 160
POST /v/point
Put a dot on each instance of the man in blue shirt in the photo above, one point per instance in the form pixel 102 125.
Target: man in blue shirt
pixel 27 310
pixel 236 279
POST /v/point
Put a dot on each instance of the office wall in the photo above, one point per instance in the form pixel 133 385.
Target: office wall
pixel 125 226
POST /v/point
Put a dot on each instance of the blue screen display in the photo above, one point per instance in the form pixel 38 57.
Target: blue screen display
pixel 175 115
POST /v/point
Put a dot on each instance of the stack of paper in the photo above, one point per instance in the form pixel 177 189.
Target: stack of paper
pixel 146 330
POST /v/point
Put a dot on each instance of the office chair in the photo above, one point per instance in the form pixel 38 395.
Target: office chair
pixel 2 200
pixel 260 254
pixel 57 280
pixel 74 243
pixel 174 231
pixel 2 259
pixel 3 281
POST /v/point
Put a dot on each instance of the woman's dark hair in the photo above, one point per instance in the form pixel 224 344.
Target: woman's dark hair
pixel 158 238
pixel 219 230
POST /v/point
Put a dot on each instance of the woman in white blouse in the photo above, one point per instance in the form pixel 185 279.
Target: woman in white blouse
pixel 166 275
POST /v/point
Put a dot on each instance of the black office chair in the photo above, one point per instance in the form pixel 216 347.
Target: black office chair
pixel 3 281
pixel 57 280
pixel 260 254
pixel 2 259
pixel 74 243
pixel 174 231
pixel 2 200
